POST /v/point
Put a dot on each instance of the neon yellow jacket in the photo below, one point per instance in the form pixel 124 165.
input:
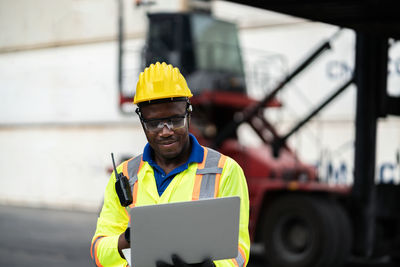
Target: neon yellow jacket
pixel 114 218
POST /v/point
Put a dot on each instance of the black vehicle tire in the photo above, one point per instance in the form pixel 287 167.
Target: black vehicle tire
pixel 345 235
pixel 299 232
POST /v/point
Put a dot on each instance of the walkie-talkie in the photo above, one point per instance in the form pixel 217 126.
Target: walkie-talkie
pixel 122 187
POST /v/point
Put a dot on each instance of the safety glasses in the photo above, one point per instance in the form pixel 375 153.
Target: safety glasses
pixel 172 123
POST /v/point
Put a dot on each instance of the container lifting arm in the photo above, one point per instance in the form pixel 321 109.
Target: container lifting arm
pixel 246 115
pixel 280 141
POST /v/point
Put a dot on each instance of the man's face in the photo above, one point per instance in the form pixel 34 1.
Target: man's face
pixel 167 143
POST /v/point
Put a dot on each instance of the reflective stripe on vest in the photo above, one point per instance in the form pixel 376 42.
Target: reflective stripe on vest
pixel 208 175
pixel 240 259
pixel 93 250
pixel 131 169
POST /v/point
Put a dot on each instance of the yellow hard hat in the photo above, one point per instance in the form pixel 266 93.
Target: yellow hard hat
pixel 159 81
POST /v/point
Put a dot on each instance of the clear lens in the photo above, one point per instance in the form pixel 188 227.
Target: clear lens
pixel 173 123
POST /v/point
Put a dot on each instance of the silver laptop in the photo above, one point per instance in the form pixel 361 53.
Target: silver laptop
pixel 194 230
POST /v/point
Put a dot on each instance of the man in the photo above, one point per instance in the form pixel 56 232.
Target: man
pixel 168 170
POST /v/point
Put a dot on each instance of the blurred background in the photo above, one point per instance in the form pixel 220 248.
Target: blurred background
pixel 68 70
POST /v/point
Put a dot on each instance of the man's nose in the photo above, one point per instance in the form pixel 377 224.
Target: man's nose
pixel 166 130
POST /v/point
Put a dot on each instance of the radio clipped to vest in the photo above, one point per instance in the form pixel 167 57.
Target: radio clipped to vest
pixel 122 187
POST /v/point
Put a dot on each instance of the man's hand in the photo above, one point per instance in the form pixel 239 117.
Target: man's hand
pixel 178 262
pixel 123 242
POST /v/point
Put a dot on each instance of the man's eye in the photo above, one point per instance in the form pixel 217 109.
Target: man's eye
pixel 176 120
pixel 153 124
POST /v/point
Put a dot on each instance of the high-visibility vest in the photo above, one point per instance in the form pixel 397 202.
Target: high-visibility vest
pixel 207 175
pixel 206 185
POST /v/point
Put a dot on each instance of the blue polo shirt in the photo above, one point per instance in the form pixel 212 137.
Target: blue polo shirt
pixel 163 179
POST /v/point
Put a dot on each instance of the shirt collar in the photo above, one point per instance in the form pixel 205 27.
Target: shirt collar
pixel 196 154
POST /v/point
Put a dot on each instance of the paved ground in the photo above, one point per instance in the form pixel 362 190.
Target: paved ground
pixel 41 237
pixel 38 237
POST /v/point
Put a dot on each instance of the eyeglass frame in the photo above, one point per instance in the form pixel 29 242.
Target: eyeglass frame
pixel 189 110
pixel 162 122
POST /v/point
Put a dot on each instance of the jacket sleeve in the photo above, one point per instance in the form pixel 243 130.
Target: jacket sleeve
pixel 113 221
pixel 233 183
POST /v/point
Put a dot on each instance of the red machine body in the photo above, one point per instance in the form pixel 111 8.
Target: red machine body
pixel 266 175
